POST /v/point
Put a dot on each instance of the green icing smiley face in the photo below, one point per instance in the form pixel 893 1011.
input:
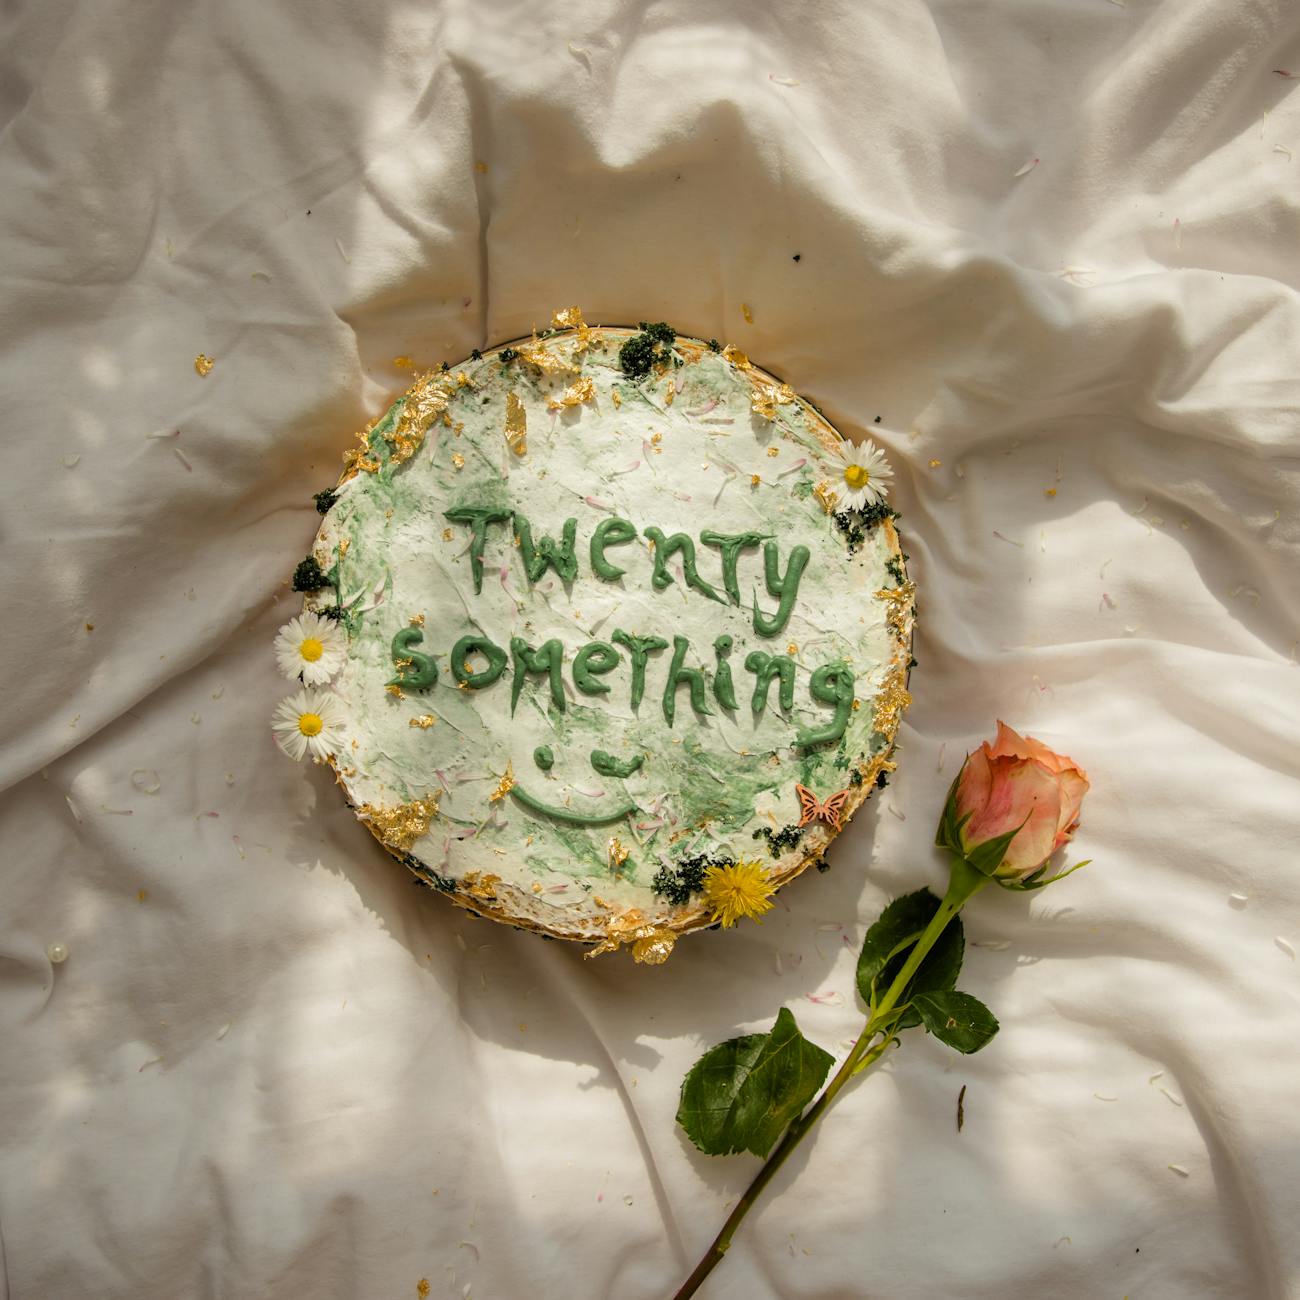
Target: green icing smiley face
pixel 607 625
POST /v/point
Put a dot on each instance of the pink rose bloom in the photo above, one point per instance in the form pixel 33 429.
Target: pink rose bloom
pixel 1014 785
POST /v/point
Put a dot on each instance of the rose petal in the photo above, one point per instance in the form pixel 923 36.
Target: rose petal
pixel 1021 791
pixel 974 783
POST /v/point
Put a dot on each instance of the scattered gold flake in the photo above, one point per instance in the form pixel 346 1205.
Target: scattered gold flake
pixel 516 429
pixel 792 649
pixel 505 785
pixel 90 627
pixel 600 902
pixel 617 396
pixel 898 601
pixel 536 353
pixel 617 851
pixel 417 620
pixel 141 895
pixel 736 357
pixel 343 546
pixel 424 721
pixel 478 885
pixel 651 945
pixel 537 886
pixel 422 1286
pixel 774 451
pixel 857 704
pixel 935 462
pixel 395 691
pixel 570 318
pixel 825 497
pixel 203 365
pixel 425 401
pixel 1049 492
pixel 746 313
pixel 583 390
pixel 403 363
pixel 891 700
pixel 755 480
pixel 447 534
pixel 458 460
pixel 463 380
pixel 388 515
pixel 480 166
pixel 656 441
pixel 401 826
pixel 403 664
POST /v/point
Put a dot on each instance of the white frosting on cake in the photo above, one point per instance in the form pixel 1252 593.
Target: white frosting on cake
pixel 704 444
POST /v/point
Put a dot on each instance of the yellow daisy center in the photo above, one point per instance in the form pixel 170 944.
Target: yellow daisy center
pixel 856 476
pixel 311 649
pixel 310 724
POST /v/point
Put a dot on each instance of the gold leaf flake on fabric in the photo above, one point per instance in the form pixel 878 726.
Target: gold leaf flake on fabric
pixel 203 365
pixel 516 429
pixel 583 390
pixel 654 948
pixel 505 785
pixel 401 826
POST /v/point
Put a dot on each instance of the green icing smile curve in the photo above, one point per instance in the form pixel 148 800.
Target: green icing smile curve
pixel 570 814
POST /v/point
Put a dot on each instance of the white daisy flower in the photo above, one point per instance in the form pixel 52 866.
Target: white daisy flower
pixel 311 720
pixel 865 478
pixel 310 645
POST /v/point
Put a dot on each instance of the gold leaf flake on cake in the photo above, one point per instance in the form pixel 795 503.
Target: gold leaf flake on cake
pixel 505 785
pixel 570 318
pixel 736 357
pixel 774 451
pixel 417 620
pixel 891 700
pixel 458 460
pixel 478 885
pixel 898 605
pixel 618 853
pixel 425 401
pixel 582 390
pixel 399 827
pixel 549 361
pixel 395 690
pixel 825 497
pixel 424 721
pixel 651 944
pixel 203 365
pixel 516 429
pixel 616 396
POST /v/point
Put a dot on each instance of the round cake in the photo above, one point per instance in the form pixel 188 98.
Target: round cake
pixel 606 634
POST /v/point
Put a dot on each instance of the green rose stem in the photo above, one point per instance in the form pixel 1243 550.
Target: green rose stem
pixel 963 884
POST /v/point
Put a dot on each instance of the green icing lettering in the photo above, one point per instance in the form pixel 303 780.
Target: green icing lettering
pixel 549 658
pixel 544 757
pixel 639 647
pixel 724 689
pixel 731 545
pixel 786 587
pixel 831 684
pixel 546 554
pixel 478 518
pixel 421 672
pixel 608 765
pixel 665 548
pixel 592 662
pixel 609 532
pixel 677 674
pixel 765 667
pixel 569 814
pixel 469 645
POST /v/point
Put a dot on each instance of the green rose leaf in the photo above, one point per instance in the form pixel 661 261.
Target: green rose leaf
pixel 957 1019
pixel 743 1094
pixel 885 949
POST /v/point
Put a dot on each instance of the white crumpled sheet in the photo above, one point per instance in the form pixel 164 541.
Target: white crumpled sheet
pixel 271 1067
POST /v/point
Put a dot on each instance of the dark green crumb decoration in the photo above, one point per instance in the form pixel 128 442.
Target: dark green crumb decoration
pixel 308 576
pixel 642 352
pixel 508 354
pixel 325 500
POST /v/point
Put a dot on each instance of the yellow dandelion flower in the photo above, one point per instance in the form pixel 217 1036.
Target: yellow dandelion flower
pixel 741 889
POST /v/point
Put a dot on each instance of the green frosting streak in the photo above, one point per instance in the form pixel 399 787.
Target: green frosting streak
pixel 594 660
pixel 549 658
pixel 677 674
pixel 610 532
pixel 665 549
pixel 570 814
pixel 731 545
pixel 546 554
pixel 786 587
pixel 421 672
pixel 764 667
pixel 608 765
pixel 478 518
pixel 639 648
pixel 724 689
pixel 469 645
pixel 831 684
pixel 544 757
